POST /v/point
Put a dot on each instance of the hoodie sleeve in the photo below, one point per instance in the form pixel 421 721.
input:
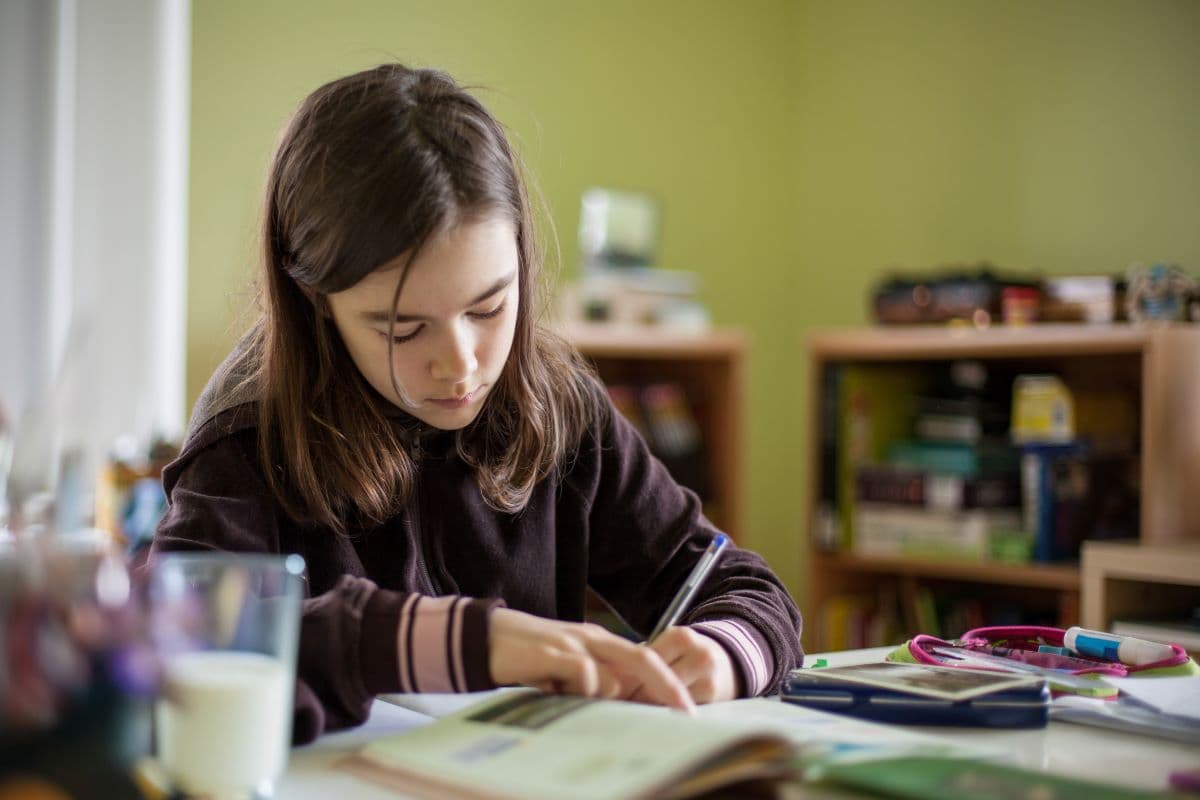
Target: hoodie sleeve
pixel 356 639
pixel 647 532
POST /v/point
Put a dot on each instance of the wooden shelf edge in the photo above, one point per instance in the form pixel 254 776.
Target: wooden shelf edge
pixel 884 343
pixel 648 341
pixel 1177 563
pixel 1046 576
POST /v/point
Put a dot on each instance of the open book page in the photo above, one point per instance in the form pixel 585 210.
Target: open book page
pixel 438 705
pixel 821 738
pixel 530 745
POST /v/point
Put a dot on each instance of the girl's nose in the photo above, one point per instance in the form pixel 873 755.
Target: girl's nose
pixel 455 360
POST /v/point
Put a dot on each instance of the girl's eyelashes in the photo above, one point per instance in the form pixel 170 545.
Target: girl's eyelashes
pixel 402 339
pixel 488 314
pixel 407 337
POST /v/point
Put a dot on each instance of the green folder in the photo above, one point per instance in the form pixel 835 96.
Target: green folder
pixel 924 778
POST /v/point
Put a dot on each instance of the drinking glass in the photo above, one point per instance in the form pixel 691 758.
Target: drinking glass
pixel 226 628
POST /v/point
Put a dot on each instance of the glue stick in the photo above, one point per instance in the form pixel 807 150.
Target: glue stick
pixel 1111 647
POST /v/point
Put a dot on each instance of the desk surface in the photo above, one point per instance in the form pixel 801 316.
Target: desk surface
pixel 1079 751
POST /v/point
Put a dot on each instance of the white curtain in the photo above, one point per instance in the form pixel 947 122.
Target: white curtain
pixel 93 193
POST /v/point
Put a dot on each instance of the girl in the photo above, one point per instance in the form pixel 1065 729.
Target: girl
pixel 452 473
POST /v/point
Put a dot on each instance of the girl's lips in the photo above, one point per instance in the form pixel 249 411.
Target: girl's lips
pixel 454 402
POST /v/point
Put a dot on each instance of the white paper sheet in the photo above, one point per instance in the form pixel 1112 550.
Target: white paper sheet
pixel 1179 697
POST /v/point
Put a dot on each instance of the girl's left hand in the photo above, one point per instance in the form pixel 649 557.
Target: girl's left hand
pixel 701 664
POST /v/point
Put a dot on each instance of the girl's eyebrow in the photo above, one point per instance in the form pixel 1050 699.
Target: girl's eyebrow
pixel 495 288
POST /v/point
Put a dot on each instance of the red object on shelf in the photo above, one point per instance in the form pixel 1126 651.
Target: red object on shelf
pixel 1020 305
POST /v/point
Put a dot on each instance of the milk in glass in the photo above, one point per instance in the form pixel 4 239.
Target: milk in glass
pixel 223 723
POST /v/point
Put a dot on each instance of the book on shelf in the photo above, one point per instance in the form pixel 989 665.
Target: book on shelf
pixel 957 416
pixel 662 414
pixel 854 620
pixel 1071 493
pixel 826 524
pixel 875 406
pixel 949 428
pixel 920 610
pixel 884 483
pixel 950 613
pixel 890 530
pixel 987 457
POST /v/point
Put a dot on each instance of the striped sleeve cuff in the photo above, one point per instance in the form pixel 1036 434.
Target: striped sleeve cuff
pixel 745 646
pixel 426 644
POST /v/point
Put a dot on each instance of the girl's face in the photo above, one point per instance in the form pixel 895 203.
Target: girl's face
pixel 454 322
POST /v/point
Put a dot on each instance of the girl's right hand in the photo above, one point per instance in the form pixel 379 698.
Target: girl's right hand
pixel 578 658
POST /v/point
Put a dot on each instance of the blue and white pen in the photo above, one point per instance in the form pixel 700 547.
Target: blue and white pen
pixel 694 581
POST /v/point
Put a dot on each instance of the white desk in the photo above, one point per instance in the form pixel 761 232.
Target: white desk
pixel 1079 751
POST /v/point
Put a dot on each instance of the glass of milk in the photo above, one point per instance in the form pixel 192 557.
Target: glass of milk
pixel 226 626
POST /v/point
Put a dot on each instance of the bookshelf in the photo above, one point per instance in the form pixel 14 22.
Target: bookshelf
pixel 1142 583
pixel 710 369
pixel 1155 367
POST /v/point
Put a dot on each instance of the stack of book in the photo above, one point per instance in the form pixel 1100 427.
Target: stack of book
pixel 953 490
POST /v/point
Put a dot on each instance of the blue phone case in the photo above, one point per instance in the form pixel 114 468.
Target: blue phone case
pixel 1026 707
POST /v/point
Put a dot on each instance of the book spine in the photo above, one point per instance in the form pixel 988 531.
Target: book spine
pixel 949 428
pixel 885 530
pixel 933 490
pixel 876 406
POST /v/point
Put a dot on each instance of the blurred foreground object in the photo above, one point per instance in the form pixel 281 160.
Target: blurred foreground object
pixel 76 668
pixel 129 496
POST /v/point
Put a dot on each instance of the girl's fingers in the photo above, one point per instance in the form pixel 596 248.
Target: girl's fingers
pixel 579 659
pixel 671 646
pixel 606 685
pixel 609 686
pixel 641 665
pixel 576 673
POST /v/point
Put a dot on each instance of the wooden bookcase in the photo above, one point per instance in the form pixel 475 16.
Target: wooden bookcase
pixel 710 368
pixel 1158 365
pixel 1139 581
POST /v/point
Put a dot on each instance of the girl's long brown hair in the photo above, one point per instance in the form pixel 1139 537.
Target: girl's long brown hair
pixel 370 167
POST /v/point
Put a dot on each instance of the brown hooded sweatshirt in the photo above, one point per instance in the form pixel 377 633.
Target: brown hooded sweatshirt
pixel 404 606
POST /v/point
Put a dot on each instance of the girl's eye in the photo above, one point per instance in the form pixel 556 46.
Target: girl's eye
pixel 488 314
pixel 402 339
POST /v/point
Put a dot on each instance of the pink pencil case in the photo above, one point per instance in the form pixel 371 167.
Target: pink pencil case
pixel 1021 643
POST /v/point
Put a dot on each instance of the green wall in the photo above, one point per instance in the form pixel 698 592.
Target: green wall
pixel 1056 136
pixel 798 148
